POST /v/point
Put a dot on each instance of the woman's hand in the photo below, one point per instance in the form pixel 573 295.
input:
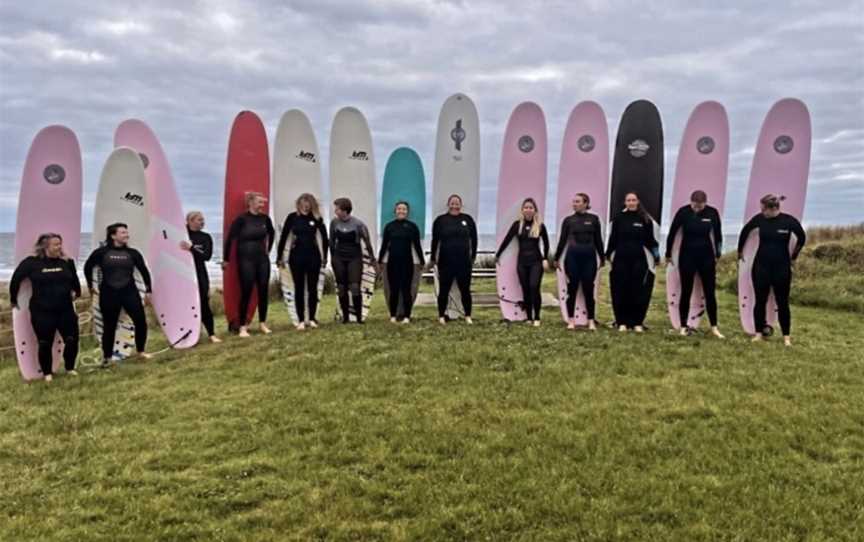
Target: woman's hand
pixel 545 265
pixel 185 245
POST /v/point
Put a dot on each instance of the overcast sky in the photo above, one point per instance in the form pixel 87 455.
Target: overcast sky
pixel 188 70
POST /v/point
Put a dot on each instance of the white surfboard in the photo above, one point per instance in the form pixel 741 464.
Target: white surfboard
pixel 121 198
pixel 296 171
pixel 352 175
pixel 456 169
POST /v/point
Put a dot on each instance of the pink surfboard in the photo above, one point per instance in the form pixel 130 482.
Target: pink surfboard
pixel 175 285
pixel 522 175
pixel 49 201
pixel 584 168
pixel 703 164
pixel 781 165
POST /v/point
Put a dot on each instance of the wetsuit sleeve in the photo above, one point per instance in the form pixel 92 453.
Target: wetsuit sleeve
pixel 271 234
pixel 436 234
pixel 613 238
pixel 76 284
pixel 673 229
pixel 325 242
pixel 718 235
pixel 364 233
pixel 334 241
pixel 745 232
pixel 544 236
pixel 283 237
pixel 598 239
pixel 142 268
pixel 89 265
pixel 650 242
pixel 511 233
pixel 21 272
pixel 417 245
pixel 207 250
pixel 473 228
pixel 233 232
pixel 385 242
pixel 796 228
pixel 563 234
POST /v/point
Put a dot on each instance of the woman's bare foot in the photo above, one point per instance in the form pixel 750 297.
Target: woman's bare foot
pixel 48 378
pixel 244 333
pixel 787 340
pixel 72 372
pixel 684 331
pixel 536 323
pixel 639 329
pixel 592 326
pixel 716 332
pixel 392 319
pixel 622 329
pixel 312 324
pixel 264 329
pixel 571 326
pixel 757 338
pixel 300 327
pixel 442 320
pixel 406 320
pixel 145 356
pixel 214 339
pixel 468 320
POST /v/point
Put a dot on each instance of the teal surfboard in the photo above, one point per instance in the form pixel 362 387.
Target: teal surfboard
pixel 404 181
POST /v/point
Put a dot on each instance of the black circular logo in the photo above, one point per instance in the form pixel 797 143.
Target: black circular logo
pixel 54 174
pixel 586 143
pixel 783 144
pixel 638 148
pixel 705 145
pixel 144 159
pixel 526 143
pixel 457 134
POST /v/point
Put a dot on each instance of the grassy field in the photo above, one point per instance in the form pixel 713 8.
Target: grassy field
pixel 489 432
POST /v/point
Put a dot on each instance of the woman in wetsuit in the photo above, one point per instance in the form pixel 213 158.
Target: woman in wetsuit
pixel 529 230
pixel 307 255
pixel 701 247
pixel 631 281
pixel 348 234
pixel 454 249
pixel 117 289
pixel 54 283
pixel 400 244
pixel 772 264
pixel 582 238
pixel 200 244
pixel 254 234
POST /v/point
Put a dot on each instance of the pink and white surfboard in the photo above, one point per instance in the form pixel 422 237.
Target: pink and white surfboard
pixel 49 201
pixel 522 175
pixel 175 285
pixel 781 165
pixel 703 164
pixel 584 168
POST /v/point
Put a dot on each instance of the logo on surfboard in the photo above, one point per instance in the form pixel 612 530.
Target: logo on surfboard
pixel 586 143
pixel 359 155
pixel 144 159
pixel 783 144
pixel 308 156
pixel 638 148
pixel 526 143
pixel 54 174
pixel 705 145
pixel 457 134
pixel 134 199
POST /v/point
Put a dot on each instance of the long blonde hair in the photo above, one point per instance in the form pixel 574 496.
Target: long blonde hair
pixel 538 220
pixel 313 204
pixel 250 197
pixel 40 249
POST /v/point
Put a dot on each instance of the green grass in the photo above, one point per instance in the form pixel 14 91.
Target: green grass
pixel 490 432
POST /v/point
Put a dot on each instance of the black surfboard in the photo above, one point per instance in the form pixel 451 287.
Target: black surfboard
pixel 638 163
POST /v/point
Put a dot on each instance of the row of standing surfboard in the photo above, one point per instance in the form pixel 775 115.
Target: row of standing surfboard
pixel 137 187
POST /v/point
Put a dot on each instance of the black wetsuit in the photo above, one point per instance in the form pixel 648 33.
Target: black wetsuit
pixel 701 246
pixel 630 279
pixel 772 265
pixel 202 251
pixel 254 235
pixel 346 247
pixel 117 291
pixel 581 235
pixel 305 259
pixel 529 263
pixel 400 241
pixel 454 249
pixel 53 281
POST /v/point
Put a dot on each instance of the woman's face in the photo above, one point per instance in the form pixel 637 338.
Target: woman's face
pixel 120 237
pixel 340 213
pixel 528 210
pixel 401 211
pixel 631 202
pixel 256 206
pixel 579 204
pixel 770 212
pixel 305 206
pixel 55 247
pixel 697 205
pixel 196 223
pixel 454 206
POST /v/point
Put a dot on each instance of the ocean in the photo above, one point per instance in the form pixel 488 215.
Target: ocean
pixel 8 263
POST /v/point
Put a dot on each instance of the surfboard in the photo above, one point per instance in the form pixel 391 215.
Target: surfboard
pixel 352 175
pixel 638 167
pixel 456 170
pixel 175 284
pixel 522 175
pixel 296 170
pixel 404 181
pixel 49 201
pixel 247 170
pixel 122 197
pixel 781 165
pixel 584 167
pixel 703 164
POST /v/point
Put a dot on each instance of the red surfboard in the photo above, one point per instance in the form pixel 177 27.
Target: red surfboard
pixel 247 170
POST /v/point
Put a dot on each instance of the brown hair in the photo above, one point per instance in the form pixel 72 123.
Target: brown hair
pixel 249 197
pixel 40 249
pixel 344 204
pixel 586 198
pixel 771 201
pixel 313 204
pixel 699 196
